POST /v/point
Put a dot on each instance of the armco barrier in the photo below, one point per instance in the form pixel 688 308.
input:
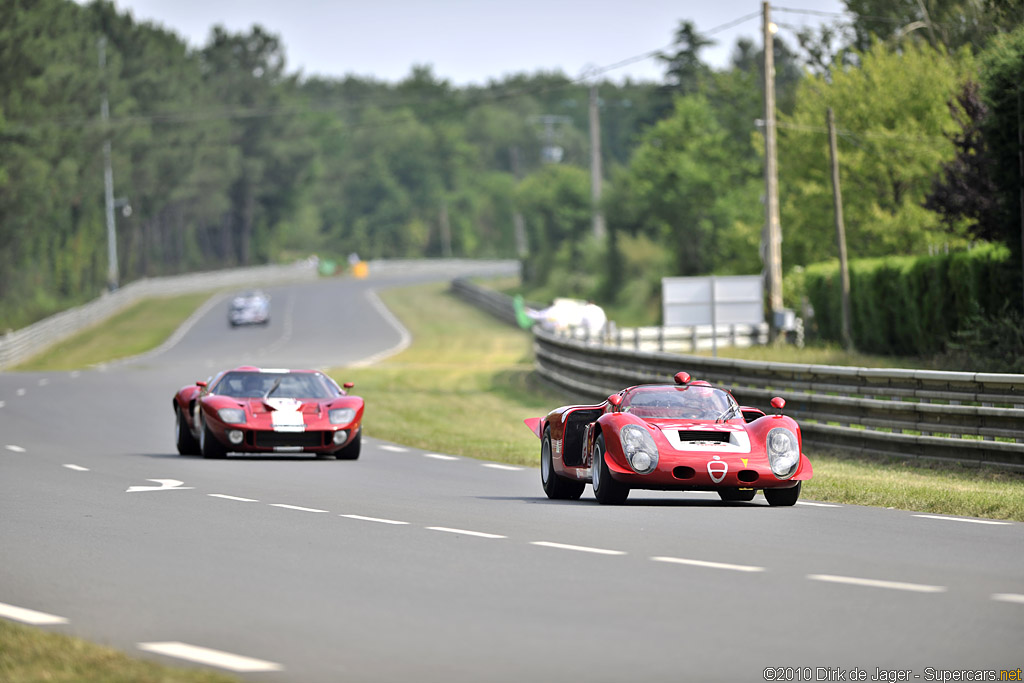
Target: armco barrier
pixel 960 416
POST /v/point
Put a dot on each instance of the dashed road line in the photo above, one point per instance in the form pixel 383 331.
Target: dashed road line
pixel 43 382
pixel 435 456
pixel 480 534
pixel 227 497
pixel 709 565
pixel 875 583
pixel 2 404
pixel 1009 597
pixel 817 505
pixel 76 468
pixel 30 616
pixel 579 548
pixel 964 519
pixel 20 392
pixel 495 466
pixel 14 449
pixel 394 449
pixel 373 519
pixel 204 655
pixel 75 374
pixel 295 507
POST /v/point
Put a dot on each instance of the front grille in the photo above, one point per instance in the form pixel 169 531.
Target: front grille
pixel 276 439
pixel 716 437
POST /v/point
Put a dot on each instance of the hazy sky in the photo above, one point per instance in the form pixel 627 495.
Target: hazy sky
pixel 471 41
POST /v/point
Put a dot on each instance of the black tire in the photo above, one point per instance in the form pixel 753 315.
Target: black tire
pixel 209 445
pixel 187 444
pixel 606 490
pixel 556 486
pixel 351 451
pixel 783 497
pixel 736 495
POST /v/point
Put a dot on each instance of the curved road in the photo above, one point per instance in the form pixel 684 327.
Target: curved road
pixel 414 566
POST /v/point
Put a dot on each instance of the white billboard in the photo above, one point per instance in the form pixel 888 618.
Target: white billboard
pixel 712 300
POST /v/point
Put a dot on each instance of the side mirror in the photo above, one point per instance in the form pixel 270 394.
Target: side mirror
pixel 348 385
pixel 200 383
pixel 778 403
pixel 682 378
pixel 615 400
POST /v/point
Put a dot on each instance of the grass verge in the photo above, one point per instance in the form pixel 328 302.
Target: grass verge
pixel 135 330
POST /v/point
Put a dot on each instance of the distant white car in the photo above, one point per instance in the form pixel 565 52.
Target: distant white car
pixel 249 308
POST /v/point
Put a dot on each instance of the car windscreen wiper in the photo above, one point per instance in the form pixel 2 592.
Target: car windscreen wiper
pixel 272 389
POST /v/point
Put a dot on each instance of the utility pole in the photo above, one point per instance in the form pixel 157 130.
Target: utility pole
pixel 522 246
pixel 837 201
pixel 108 177
pixel 772 237
pixel 595 165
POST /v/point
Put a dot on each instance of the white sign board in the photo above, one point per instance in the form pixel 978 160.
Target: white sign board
pixel 712 300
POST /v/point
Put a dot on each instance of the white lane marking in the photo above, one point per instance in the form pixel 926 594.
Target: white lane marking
pixel 394 449
pixel 710 565
pixel 374 519
pixel 227 497
pixel 875 583
pixel 403 342
pixel 580 548
pixel 2 404
pixel 495 466
pixel 14 449
pixel 1009 597
pixel 29 616
pixel 295 507
pixel 463 531
pixel 76 468
pixel 817 505
pixel 436 456
pixel 165 485
pixel 204 655
pixel 43 382
pixel 75 374
pixel 964 519
pixel 20 392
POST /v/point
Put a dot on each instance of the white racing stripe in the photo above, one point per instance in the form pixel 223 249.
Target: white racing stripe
pixel 295 507
pixel 875 583
pixel 710 565
pixel 438 456
pixel 29 616
pixel 1009 597
pixel 374 519
pixel 579 548
pixel 495 466
pixel 227 497
pixel 204 655
pixel 77 468
pixel 465 532
pixel 14 449
pixel 964 519
pixel 394 449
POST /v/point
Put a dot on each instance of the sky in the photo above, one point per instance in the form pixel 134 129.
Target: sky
pixel 474 41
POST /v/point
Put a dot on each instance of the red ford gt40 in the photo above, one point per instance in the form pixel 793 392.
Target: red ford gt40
pixel 254 410
pixel 689 436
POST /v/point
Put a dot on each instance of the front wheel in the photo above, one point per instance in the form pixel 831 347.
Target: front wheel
pixel 606 490
pixel 351 451
pixel 736 495
pixel 187 444
pixel 209 445
pixel 783 496
pixel 556 487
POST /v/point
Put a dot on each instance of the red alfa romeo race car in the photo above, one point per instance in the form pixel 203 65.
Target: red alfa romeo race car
pixel 258 410
pixel 689 436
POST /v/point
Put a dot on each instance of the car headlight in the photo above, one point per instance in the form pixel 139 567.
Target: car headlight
pixel 342 416
pixel 232 415
pixel 783 452
pixel 640 449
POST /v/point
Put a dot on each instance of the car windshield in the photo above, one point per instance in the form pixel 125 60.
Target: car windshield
pixel 675 402
pixel 240 384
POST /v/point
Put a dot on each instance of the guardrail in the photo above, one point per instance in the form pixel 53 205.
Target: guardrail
pixel 967 417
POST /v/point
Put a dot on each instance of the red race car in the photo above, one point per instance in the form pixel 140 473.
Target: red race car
pixel 689 436
pixel 254 410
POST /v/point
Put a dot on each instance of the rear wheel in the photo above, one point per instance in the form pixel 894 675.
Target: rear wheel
pixel 733 494
pixel 606 490
pixel 783 496
pixel 351 451
pixel 556 486
pixel 208 444
pixel 187 444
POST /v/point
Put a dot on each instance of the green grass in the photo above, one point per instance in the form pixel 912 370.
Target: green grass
pixel 135 330
pixel 31 655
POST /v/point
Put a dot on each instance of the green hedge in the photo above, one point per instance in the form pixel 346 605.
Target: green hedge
pixel 910 306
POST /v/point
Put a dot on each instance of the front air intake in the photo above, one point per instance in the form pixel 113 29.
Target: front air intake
pixel 691 436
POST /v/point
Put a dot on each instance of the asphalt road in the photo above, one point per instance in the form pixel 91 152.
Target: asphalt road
pixel 414 566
